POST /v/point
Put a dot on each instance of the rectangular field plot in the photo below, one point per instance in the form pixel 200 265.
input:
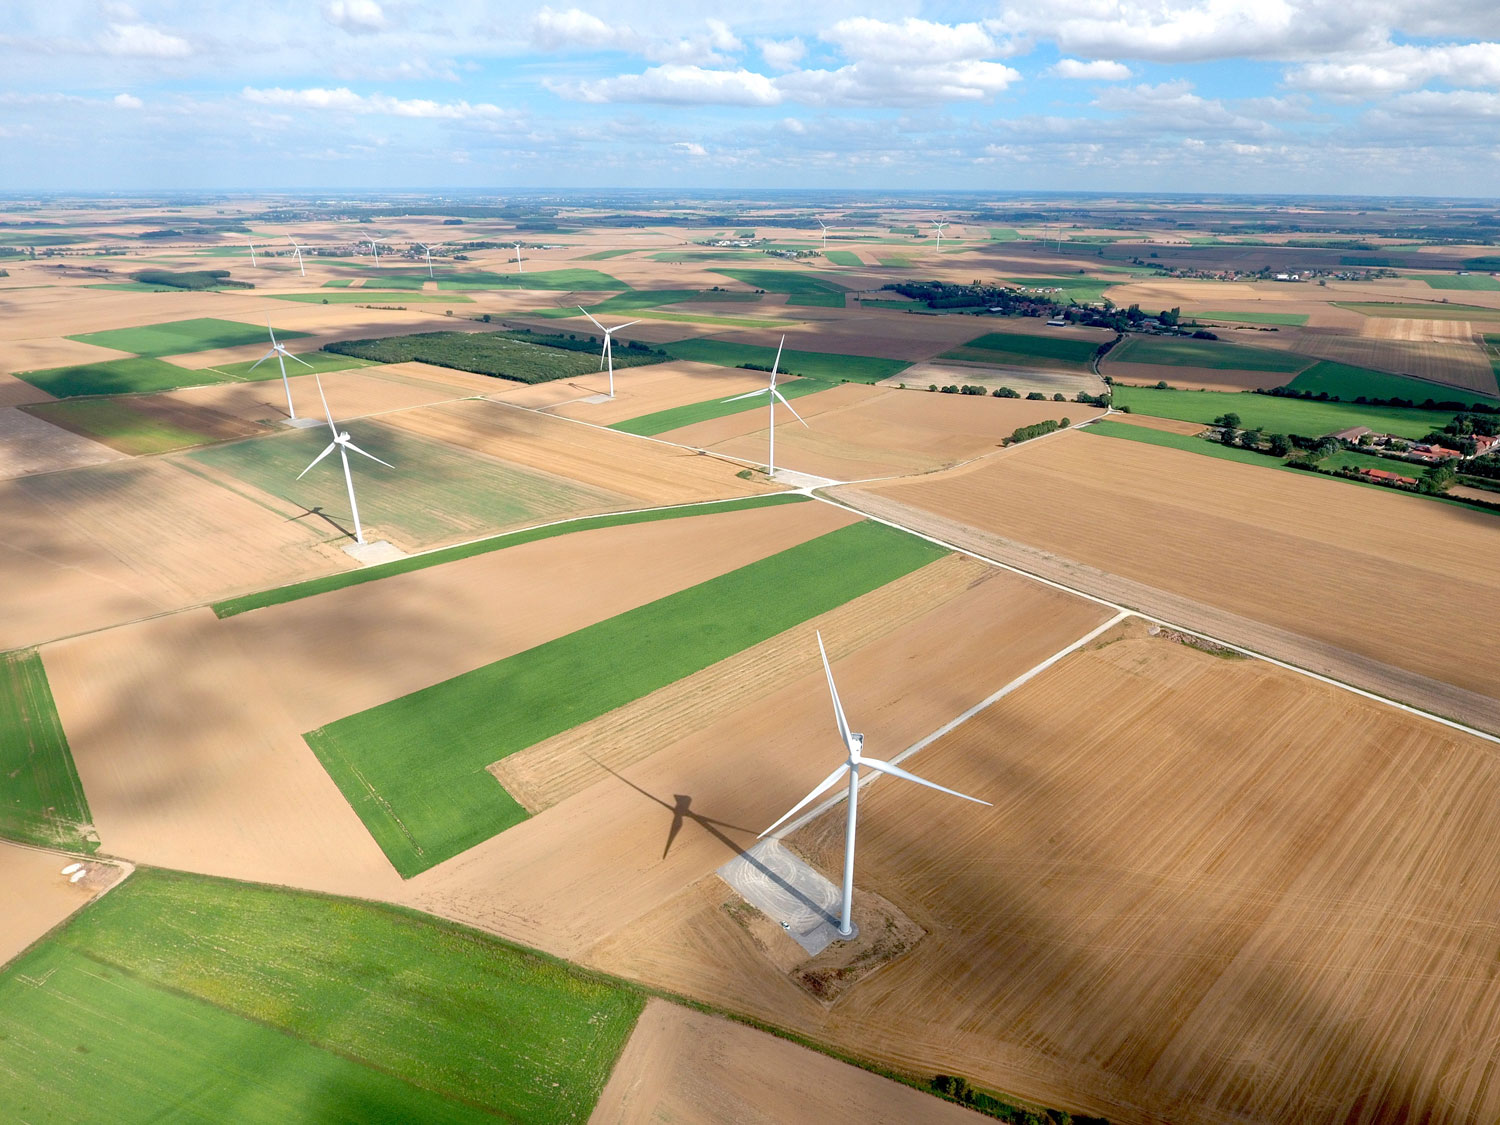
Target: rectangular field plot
pixel 117 377
pixel 563 279
pixel 1349 382
pixel 41 800
pixel 1278 415
pixel 181 336
pixel 1177 351
pixel 1423 310
pixel 435 493
pixel 800 288
pixel 421 817
pixel 1472 281
pixel 185 998
pixel 813 365
pixel 1257 317
pixel 843 258
pixel 1028 350
pixel 147 424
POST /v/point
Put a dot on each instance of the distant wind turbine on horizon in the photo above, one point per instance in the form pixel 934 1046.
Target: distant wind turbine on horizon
pixel 374 247
pixel 342 443
pixel 608 354
pixel 853 746
pixel 824 225
pixel 774 395
pixel 427 253
pixel 282 355
pixel 253 262
pixel 297 249
pixel 519 268
pixel 939 227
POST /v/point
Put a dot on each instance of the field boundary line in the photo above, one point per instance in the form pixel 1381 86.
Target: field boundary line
pixel 1452 724
pixel 954 723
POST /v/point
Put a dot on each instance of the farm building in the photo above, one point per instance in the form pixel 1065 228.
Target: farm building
pixel 1386 476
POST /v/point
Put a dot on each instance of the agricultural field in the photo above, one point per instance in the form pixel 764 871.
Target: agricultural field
pixel 30 445
pixel 373 297
pixel 504 355
pixel 673 418
pixel 1472 281
pixel 42 802
pixel 1024 349
pixel 1085 290
pixel 813 365
pixel 1426 310
pixel 1256 317
pixel 1278 415
pixel 844 258
pixel 180 337
pixel 1183 351
pixel 1346 382
pixel 310 362
pixel 564 279
pixel 1107 427
pixel 144 424
pixel 801 288
pixel 422 819
pixel 219 999
pixel 116 377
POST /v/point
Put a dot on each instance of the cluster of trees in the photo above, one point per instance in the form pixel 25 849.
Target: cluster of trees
pixel 955 389
pixel 191 279
pixel 961 1091
pixel 1405 403
pixel 946 295
pixel 1036 430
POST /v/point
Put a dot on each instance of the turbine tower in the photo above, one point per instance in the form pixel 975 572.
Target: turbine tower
pixel 940 227
pixel 374 247
pixel 298 251
pixel 824 225
pixel 282 355
pixel 519 268
pixel 342 443
pixel 253 262
pixel 608 354
pixel 853 745
pixel 774 394
pixel 427 253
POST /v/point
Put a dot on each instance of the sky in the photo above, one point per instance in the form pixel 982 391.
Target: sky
pixel 1356 97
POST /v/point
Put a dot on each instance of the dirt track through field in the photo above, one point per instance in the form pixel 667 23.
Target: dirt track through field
pixel 1353 598
pixel 1210 892
pixel 690 1068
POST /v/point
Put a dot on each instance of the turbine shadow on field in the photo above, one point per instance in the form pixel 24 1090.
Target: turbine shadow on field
pixel 318 511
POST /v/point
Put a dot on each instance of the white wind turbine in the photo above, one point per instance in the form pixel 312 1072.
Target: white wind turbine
pixel 374 247
pixel 774 394
pixel 853 744
pixel 282 355
pixel 824 225
pixel 253 262
pixel 427 253
pixel 608 354
pixel 940 227
pixel 298 250
pixel 342 443
pixel 519 268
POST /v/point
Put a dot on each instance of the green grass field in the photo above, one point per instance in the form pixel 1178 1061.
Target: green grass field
pixel 314 586
pixel 117 377
pixel 1470 281
pixel 1023 350
pixel 1420 310
pixel 1352 459
pixel 1349 383
pixel 1004 234
pixel 28 238
pixel 131 287
pixel 1183 351
pixel 800 288
pixel 317 362
pixel 662 421
pixel 179 337
pixel 1084 290
pixel 184 998
pixel 1106 427
pixel 830 366
pixel 895 261
pixel 338 283
pixel 41 800
pixel 1289 319
pixel 372 297
pixel 1277 415
pixel 584 279
pixel 503 354
pixel 118 424
pixel 435 493
pixel 844 258
pixel 639 301
pixel 414 768
pixel 603 255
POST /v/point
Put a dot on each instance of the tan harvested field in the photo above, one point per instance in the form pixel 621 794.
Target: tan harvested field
pixel 645 390
pixel 1211 892
pixel 1194 378
pixel 650 471
pixel 856 431
pixel 581 870
pixel 1425 331
pixel 1022 380
pixel 97 546
pixel 187 730
pixel 872 332
pixel 689 1068
pixel 38 896
pixel 30 445
pixel 1166 425
pixel 1337 565
pixel 1455 362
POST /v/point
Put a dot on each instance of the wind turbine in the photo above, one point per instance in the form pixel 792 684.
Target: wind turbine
pixel 342 443
pixel 374 248
pixel 608 354
pixel 298 250
pixel 824 225
pixel 253 262
pixel 853 744
pixel 427 252
pixel 940 227
pixel 519 268
pixel 774 395
pixel 282 355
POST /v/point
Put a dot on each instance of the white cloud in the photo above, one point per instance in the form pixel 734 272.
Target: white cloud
pixel 1448 104
pixel 552 30
pixel 128 101
pixel 140 41
pixel 689 148
pixel 910 41
pixel 1401 67
pixel 867 83
pixel 358 17
pixel 1096 70
pixel 346 100
pixel 675 84
pixel 782 54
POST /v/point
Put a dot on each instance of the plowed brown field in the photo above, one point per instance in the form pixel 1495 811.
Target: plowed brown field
pixel 1210 892
pixel 1391 577
pixel 38 896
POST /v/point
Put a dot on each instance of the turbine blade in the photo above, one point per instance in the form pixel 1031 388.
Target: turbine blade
pixel 290 356
pixel 838 708
pixel 627 324
pixel 262 359
pixel 590 315
pixel 747 394
pixel 897 771
pixel 332 445
pixel 272 331
pixel 775 367
pixel 327 414
pixel 823 787
pixel 371 456
pixel 789 406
